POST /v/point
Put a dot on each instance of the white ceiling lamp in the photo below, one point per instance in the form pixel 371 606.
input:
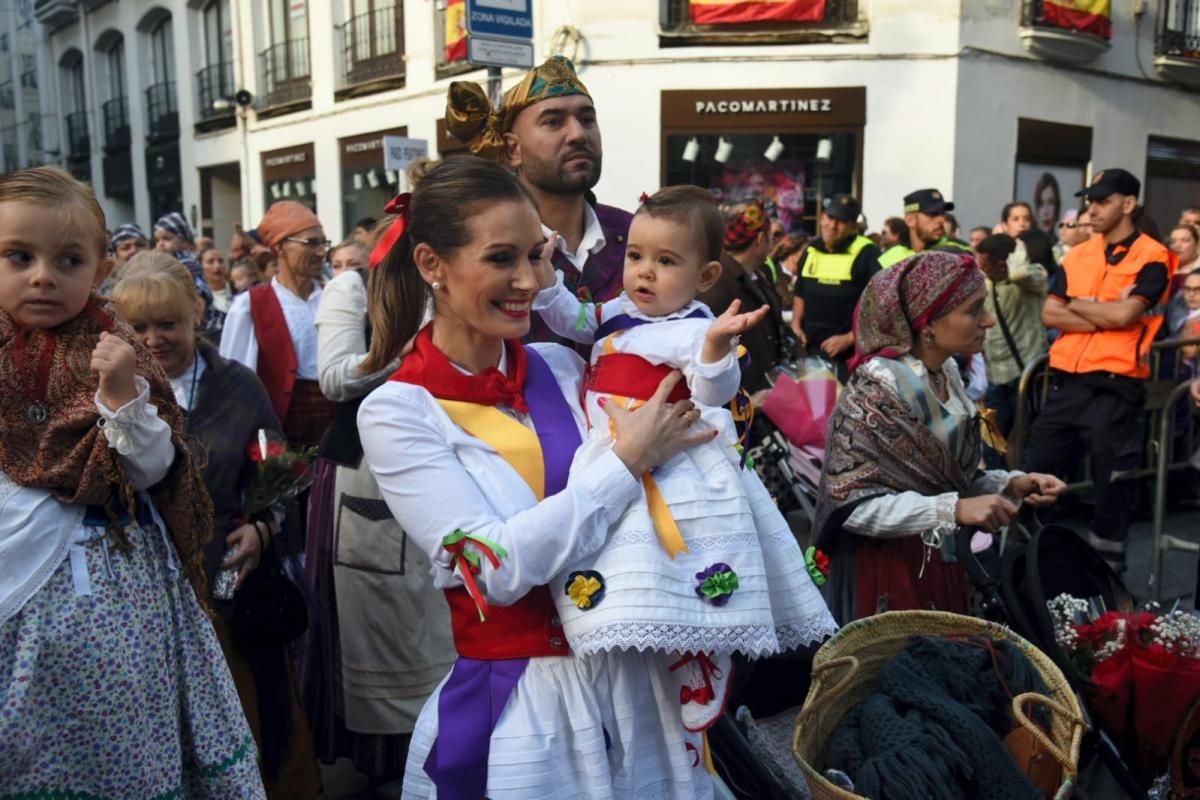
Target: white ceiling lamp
pixel 774 150
pixel 373 178
pixel 393 177
pixel 275 192
pixel 724 150
pixel 301 189
pixel 358 182
pixel 825 150
pixel 691 150
pixel 287 189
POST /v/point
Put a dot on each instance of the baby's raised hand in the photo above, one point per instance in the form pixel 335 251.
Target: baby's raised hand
pixel 719 339
pixel 543 268
pixel 114 361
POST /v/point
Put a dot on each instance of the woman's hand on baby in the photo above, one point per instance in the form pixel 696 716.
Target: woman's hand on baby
pixel 114 361
pixel 656 431
pixel 719 339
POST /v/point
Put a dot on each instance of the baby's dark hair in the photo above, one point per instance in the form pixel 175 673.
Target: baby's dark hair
pixel 692 206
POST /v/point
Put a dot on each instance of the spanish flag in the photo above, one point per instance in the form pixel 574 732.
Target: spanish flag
pixel 733 12
pixel 456 30
pixel 1085 16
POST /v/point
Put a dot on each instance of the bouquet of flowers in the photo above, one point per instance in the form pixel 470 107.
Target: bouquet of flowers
pixel 283 473
pixel 1143 669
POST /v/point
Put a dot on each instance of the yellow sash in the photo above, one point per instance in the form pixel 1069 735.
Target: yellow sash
pixel 515 443
pixel 665 526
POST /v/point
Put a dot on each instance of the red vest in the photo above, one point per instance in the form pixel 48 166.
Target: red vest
pixel 528 628
pixel 277 364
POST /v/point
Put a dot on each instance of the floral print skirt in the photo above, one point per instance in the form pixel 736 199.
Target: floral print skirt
pixel 113 684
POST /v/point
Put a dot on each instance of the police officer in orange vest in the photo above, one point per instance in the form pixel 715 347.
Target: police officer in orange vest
pixel 1108 301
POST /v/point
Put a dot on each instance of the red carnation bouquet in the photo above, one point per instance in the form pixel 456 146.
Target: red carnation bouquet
pixel 1143 670
pixel 283 472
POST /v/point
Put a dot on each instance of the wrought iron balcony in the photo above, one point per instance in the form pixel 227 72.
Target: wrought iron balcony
pixel 286 79
pixel 116 125
pixel 372 47
pixel 162 115
pixel 79 141
pixel 55 13
pixel 1177 42
pixel 215 82
pixel 1054 42
pixel 840 21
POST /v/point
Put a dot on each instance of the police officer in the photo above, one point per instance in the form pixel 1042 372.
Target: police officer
pixel 831 276
pixel 1108 301
pixel 925 215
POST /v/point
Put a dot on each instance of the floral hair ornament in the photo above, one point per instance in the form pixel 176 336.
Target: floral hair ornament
pixel 818 565
pixel 585 588
pixel 398 205
pixel 643 197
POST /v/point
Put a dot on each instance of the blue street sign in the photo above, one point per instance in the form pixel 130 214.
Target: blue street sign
pixel 504 19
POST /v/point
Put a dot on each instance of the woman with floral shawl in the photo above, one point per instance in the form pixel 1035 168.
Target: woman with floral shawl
pixel 902 467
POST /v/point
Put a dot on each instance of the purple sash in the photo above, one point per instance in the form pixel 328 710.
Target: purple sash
pixel 623 322
pixel 477 691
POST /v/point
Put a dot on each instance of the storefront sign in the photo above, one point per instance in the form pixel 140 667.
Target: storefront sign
pixel 367 150
pixel 290 162
pixel 774 110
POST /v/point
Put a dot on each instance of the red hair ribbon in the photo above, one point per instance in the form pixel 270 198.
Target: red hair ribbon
pixel 643 198
pixel 398 205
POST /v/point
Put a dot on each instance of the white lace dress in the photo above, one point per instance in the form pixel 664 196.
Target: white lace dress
pixel 728 520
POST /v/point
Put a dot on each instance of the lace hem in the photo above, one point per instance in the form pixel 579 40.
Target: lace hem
pixel 118 425
pixel 795 635
pixel 752 640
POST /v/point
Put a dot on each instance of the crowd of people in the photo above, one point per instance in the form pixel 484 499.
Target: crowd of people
pixel 533 546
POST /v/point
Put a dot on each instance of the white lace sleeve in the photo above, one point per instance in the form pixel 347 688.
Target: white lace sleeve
pixel 904 514
pixel 142 440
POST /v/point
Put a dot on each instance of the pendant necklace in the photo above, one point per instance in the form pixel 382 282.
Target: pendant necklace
pixel 36 412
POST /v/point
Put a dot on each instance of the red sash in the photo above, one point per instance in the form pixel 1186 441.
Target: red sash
pixel 277 364
pixel 627 375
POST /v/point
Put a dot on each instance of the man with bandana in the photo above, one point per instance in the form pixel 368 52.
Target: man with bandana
pixel 744 277
pixel 546 129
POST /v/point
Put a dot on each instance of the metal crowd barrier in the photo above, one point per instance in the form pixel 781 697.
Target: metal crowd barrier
pixel 1161 454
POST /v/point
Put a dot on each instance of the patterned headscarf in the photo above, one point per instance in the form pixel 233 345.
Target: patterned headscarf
pixel 903 300
pixel 745 226
pixel 176 224
pixel 130 230
pixel 471 119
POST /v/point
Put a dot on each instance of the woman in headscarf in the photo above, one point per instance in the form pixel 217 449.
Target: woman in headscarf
pixel 902 468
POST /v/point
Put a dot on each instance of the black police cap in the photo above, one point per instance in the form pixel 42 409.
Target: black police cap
pixel 1111 181
pixel 926 201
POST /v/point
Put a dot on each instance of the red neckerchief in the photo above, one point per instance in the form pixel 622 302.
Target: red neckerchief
pixel 428 367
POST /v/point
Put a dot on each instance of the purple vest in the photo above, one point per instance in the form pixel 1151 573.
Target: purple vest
pixel 602 274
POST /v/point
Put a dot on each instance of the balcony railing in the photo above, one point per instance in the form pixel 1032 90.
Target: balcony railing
pixel 1178 29
pixel 214 82
pixel 841 18
pixel 116 125
pixel 162 115
pixel 1061 39
pixel 373 47
pixel 79 142
pixel 285 72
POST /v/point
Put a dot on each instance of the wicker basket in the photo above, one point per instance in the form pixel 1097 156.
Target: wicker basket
pixel 845 671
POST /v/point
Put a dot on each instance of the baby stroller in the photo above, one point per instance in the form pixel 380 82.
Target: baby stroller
pixel 1014 590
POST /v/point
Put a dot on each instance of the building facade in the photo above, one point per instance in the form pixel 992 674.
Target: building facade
pixel 983 99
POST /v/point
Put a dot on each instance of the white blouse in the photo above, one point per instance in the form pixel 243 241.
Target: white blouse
pixel 437 479
pixel 239 342
pixel 342 340
pixel 908 513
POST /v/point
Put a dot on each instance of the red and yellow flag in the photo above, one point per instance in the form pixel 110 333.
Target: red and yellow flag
pixel 456 30
pixel 733 12
pixel 1085 16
